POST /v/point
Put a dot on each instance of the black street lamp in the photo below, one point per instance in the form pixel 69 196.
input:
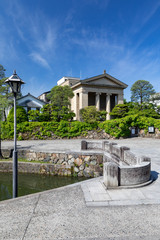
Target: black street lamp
pixel 15 83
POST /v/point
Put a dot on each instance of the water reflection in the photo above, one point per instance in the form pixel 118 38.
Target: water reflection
pixel 4 192
pixel 32 183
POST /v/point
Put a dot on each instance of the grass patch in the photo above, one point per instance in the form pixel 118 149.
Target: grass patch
pixel 21 160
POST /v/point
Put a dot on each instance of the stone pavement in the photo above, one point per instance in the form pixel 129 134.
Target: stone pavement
pixel 86 210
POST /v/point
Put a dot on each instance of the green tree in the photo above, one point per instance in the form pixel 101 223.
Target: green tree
pixel 49 112
pixel 2 72
pixel 59 107
pixel 141 91
pixel 60 96
pixel 132 108
pixel 4 99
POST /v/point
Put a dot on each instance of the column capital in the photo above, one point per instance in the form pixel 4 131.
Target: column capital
pixel 108 94
pixel 83 91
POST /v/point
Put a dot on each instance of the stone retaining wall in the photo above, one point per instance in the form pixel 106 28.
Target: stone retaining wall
pixel 64 164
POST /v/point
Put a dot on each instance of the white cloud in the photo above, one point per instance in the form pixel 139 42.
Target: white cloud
pixel 39 59
pixel 36 31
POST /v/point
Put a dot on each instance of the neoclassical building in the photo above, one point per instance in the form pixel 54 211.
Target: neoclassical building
pixel 102 91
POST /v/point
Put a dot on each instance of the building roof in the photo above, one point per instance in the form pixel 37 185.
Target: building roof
pixel 32 97
pixel 30 101
pixel 30 104
pixel 93 81
pixel 44 93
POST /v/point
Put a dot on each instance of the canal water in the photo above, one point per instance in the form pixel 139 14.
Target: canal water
pixel 32 183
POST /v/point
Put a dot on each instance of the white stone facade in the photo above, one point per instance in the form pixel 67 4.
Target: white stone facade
pixel 102 91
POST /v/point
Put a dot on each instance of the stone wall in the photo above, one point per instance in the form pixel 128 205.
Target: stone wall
pixel 64 164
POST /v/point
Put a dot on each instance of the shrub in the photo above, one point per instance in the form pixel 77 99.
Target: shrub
pixel 90 114
pixel 43 130
pixel 120 111
pixel 21 115
pixel 51 113
pixel 145 109
pixel 121 127
pixel 33 115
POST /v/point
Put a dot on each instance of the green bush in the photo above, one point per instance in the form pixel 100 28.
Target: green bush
pixel 33 115
pixel 64 129
pixel 91 114
pixel 145 109
pixel 121 127
pixel 43 130
pixel 120 110
pixel 50 112
pixel 21 115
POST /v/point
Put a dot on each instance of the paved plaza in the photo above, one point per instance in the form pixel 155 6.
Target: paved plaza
pixel 86 210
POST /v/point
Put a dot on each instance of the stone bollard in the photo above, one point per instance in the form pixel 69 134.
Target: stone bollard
pixel 83 145
pixel 110 174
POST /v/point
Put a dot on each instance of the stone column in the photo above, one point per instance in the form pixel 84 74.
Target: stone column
pixel 98 101
pixel 74 106
pixel 83 99
pixel 77 106
pixel 120 98
pixel 108 105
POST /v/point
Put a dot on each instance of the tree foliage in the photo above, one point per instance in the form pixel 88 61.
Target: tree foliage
pixel 59 107
pixel 132 108
pixel 2 72
pixel 49 112
pixel 60 96
pixel 5 96
pixel 141 91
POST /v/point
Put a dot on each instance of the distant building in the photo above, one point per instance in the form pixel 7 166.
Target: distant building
pixel 102 91
pixel 29 102
pixel 43 97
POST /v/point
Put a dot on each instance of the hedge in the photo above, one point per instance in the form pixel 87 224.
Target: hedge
pixel 64 129
pixel 42 130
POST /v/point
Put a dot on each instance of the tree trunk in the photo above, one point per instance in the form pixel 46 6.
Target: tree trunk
pixel 0 144
pixel 4 114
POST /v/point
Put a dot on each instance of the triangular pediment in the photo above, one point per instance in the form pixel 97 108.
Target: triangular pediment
pixel 104 80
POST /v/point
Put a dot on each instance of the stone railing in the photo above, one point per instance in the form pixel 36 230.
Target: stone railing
pixel 120 166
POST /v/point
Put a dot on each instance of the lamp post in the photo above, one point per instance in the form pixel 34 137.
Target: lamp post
pixel 15 83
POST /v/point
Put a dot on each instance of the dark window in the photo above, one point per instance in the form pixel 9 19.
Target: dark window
pixel 103 101
pixel 113 101
pixel 91 99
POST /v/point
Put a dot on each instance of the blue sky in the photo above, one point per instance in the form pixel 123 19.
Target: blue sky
pixel 46 40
